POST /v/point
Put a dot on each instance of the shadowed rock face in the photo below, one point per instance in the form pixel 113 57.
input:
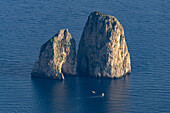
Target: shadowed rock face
pixel 57 56
pixel 102 49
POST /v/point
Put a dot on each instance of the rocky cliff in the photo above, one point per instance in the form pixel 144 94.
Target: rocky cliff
pixel 102 49
pixel 57 56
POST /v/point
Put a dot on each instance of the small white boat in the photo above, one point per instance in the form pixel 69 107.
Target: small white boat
pixel 93 92
pixel 102 94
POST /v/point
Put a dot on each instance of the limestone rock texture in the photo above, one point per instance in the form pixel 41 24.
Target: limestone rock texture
pixel 57 57
pixel 102 50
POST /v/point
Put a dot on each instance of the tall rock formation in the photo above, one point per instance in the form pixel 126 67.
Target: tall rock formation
pixel 102 49
pixel 57 56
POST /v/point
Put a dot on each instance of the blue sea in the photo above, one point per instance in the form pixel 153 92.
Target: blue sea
pixel 26 24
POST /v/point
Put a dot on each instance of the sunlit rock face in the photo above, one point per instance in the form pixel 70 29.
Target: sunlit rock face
pixel 102 49
pixel 57 57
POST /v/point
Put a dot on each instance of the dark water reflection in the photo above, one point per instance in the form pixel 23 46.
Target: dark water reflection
pixel 74 95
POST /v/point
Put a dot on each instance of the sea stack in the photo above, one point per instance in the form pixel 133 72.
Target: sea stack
pixel 102 50
pixel 57 57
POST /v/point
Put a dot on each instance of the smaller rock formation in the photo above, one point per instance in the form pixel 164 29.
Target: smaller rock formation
pixel 103 51
pixel 57 57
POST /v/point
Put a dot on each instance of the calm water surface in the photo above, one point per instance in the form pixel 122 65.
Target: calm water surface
pixel 26 24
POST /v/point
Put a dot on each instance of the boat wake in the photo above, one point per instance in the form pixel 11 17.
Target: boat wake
pixel 89 97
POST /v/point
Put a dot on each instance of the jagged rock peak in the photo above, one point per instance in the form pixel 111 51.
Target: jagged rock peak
pixel 57 57
pixel 102 49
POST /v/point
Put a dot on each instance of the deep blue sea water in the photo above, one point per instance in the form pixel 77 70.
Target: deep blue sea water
pixel 26 24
